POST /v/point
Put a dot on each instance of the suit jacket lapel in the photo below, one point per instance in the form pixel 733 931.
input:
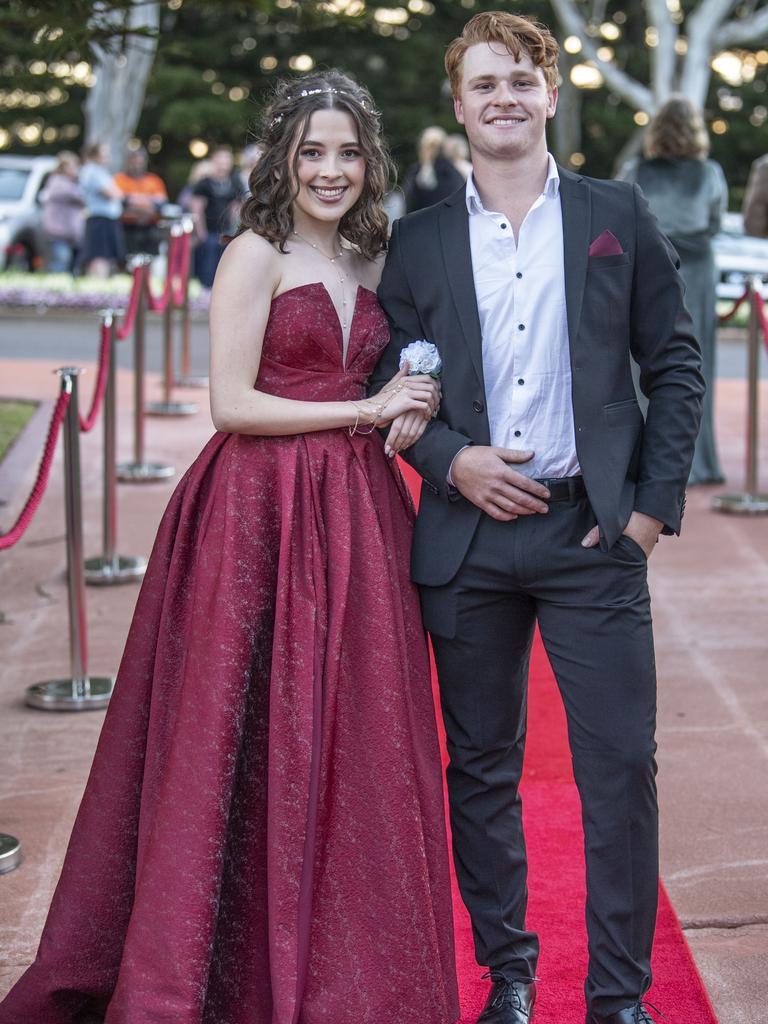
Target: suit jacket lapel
pixel 575 203
pixel 457 255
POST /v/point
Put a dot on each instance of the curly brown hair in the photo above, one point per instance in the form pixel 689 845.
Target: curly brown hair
pixel 516 33
pixel 273 182
pixel 677 131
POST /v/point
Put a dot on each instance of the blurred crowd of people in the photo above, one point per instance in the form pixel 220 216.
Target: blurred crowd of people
pixel 94 220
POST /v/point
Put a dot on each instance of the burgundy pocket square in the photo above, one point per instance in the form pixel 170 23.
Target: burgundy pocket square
pixel 606 244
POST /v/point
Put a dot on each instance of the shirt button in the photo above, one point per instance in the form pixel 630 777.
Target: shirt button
pixel 518 274
pixel 518 433
pixel 520 380
pixel 521 327
pixel 502 226
pixel 477 406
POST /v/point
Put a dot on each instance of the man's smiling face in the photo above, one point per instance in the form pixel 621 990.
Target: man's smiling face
pixel 504 104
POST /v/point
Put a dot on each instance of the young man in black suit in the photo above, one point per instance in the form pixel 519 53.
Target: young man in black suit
pixel 544 492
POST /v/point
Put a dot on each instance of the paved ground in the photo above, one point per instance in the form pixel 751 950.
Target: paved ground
pixel 710 609
pixel 74 338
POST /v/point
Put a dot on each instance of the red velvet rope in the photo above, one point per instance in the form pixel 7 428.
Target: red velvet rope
pixel 17 531
pixel 88 423
pixel 133 304
pixel 179 252
pixel 762 316
pixel 734 308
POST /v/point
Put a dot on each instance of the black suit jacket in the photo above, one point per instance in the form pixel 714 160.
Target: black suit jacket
pixel 616 305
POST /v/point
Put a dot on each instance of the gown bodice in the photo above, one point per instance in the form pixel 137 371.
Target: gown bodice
pixel 302 353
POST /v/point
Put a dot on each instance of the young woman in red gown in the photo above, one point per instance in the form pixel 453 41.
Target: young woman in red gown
pixel 261 839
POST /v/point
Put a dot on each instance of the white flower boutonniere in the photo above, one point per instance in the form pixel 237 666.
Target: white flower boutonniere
pixel 422 357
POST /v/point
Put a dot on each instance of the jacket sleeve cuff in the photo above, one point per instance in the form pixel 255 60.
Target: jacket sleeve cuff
pixel 433 456
pixel 651 503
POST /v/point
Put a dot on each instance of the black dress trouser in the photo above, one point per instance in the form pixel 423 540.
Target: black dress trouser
pixel 593 611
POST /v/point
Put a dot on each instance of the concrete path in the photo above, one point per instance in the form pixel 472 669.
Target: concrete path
pixel 710 592
pixel 74 338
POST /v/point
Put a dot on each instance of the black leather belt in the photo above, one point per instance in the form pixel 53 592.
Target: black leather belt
pixel 564 488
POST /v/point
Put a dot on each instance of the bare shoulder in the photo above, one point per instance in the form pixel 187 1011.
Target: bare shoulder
pixel 250 257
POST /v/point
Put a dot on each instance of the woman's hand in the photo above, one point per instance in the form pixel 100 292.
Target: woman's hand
pixel 419 394
pixel 404 432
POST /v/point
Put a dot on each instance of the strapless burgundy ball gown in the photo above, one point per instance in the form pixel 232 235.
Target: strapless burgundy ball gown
pixel 261 839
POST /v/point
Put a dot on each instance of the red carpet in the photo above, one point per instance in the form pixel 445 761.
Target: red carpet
pixel 556 883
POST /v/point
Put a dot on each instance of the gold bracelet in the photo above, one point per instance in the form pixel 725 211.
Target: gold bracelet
pixel 376 413
pixel 356 428
pixel 377 409
pixel 353 429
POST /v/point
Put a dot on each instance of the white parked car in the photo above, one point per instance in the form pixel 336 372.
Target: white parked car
pixel 738 256
pixel 22 243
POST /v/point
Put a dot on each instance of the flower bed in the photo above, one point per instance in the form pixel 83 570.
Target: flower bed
pixel 62 291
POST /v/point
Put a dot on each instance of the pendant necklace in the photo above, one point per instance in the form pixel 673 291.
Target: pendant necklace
pixel 341 276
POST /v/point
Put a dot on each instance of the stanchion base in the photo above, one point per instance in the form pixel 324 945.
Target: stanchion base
pixel 171 408
pixel 89 694
pixel 143 472
pixel 191 382
pixel 10 853
pixel 105 572
pixel 741 504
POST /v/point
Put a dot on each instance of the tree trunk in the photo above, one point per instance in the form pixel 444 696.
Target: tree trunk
pixel 706 29
pixel 114 103
pixel 566 130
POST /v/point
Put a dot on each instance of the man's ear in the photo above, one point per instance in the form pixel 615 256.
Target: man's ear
pixel 552 104
pixel 458 110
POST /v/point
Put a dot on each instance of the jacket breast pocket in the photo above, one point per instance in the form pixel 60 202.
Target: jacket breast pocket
pixel 623 414
pixel 621 259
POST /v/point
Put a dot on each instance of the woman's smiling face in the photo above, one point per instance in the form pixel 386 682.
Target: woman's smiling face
pixel 330 167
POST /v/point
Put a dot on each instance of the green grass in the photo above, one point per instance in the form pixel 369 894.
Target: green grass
pixel 14 416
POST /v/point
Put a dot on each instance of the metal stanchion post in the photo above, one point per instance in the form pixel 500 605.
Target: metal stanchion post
pixel 140 471
pixel 109 567
pixel 186 378
pixel 10 853
pixel 80 692
pixel 168 407
pixel 751 501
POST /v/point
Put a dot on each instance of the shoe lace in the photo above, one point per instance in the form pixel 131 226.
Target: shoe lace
pixel 507 994
pixel 642 1016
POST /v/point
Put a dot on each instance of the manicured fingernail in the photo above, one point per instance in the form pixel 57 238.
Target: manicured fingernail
pixel 387 449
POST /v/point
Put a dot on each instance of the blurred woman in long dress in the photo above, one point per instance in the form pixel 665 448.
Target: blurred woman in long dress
pixel 688 195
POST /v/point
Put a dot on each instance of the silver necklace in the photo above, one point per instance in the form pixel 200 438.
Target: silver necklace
pixel 341 276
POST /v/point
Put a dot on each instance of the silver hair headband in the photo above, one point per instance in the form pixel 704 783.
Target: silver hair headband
pixel 330 90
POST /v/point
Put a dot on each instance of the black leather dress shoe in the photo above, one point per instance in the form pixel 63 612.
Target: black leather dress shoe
pixel 509 1001
pixel 636 1014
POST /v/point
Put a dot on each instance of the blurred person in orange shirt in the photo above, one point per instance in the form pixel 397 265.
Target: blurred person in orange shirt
pixel 144 194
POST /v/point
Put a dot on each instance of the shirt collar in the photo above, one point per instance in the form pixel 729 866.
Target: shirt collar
pixel 551 187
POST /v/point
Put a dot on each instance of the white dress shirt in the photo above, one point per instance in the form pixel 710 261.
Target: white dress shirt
pixel 520 288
